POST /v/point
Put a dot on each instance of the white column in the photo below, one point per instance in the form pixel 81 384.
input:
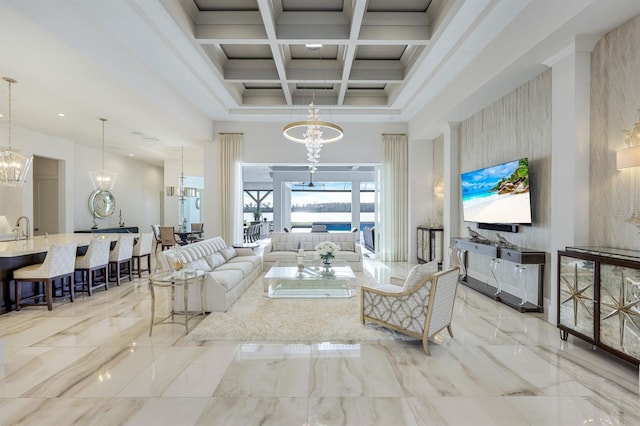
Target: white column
pixel 355 204
pixel 451 202
pixel 421 198
pixel 569 219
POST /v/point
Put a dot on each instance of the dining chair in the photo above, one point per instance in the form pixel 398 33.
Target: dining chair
pixel 93 262
pixel 196 227
pixel 121 255
pixel 168 237
pixel 58 264
pixel 156 234
pixel 142 249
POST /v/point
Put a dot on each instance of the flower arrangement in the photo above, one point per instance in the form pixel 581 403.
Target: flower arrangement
pixel 327 251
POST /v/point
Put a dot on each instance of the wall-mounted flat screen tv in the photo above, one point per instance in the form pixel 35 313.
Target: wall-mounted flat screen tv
pixel 498 194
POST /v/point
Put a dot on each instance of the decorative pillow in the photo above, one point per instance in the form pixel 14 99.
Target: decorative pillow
pixel 199 264
pixel 214 260
pixel 307 245
pixel 285 246
pixel 228 253
pixel 347 246
pixel 418 273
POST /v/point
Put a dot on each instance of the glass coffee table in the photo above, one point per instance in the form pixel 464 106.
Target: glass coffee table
pixel 286 280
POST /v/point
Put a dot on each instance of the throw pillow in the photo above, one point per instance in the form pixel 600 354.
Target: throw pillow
pixel 308 245
pixel 214 260
pixel 228 253
pixel 347 246
pixel 199 264
pixel 418 273
pixel 285 246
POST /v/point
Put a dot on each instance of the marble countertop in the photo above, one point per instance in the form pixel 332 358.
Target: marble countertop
pixel 41 244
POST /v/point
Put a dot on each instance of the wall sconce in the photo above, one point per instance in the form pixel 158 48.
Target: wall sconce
pixel 630 156
pixel 438 188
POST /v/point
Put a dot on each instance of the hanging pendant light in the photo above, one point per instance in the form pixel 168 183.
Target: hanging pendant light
pixel 313 132
pixel 103 179
pixel 180 190
pixel 14 166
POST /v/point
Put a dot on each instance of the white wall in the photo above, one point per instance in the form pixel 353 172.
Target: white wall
pixel 135 189
pixel 264 143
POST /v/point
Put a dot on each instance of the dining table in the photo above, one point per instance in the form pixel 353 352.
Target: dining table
pixel 184 235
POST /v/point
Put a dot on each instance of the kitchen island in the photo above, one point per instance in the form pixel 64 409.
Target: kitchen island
pixel 16 254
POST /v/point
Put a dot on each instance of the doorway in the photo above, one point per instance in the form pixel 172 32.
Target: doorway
pixel 46 196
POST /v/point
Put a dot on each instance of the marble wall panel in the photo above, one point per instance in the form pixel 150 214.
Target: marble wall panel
pixel 615 100
pixel 515 126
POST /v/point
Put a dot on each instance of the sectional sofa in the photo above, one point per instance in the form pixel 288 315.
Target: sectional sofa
pixel 284 246
pixel 229 271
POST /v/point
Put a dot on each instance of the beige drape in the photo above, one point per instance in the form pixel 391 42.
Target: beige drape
pixel 393 223
pixel 231 187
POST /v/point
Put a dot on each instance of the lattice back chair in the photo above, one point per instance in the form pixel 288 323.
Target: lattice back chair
pixel 420 308
pixel 59 263
pixel 142 249
pixel 120 256
pixel 93 265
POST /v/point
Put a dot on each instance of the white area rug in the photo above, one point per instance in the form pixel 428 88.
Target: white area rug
pixel 255 317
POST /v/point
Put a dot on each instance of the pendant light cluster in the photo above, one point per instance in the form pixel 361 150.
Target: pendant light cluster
pixel 14 166
pixel 103 179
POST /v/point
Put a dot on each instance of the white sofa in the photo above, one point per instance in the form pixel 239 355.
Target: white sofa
pixel 284 247
pixel 229 272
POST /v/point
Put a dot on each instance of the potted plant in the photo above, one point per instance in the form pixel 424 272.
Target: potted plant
pixel 256 215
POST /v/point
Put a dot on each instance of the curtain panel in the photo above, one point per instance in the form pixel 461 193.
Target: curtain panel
pixel 393 229
pixel 231 187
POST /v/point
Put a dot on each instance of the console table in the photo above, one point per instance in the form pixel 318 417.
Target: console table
pixel 122 230
pixel 599 298
pixel 520 257
pixel 429 242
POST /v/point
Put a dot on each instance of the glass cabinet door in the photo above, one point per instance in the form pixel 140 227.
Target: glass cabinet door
pixel 620 308
pixel 577 295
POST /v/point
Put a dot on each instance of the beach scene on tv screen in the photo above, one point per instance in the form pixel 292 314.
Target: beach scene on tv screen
pixel 497 194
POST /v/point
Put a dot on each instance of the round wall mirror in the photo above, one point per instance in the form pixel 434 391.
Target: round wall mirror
pixel 102 203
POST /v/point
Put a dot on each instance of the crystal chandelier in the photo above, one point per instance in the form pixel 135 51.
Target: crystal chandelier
pixel 103 179
pixel 313 132
pixel 14 166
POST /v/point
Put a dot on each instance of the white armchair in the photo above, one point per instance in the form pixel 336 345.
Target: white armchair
pixel 420 308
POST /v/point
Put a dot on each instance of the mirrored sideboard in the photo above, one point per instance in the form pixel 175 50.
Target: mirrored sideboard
pixel 599 298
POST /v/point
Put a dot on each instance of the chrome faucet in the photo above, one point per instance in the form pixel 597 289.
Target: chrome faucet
pixel 26 234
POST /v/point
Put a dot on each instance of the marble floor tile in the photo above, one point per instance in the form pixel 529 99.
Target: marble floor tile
pixel 266 370
pixel 367 372
pixel 477 411
pixel 360 411
pixel 250 411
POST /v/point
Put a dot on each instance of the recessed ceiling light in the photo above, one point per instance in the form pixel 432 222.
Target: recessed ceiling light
pixel 61 114
pixel 130 155
pixel 1 115
pixel 313 46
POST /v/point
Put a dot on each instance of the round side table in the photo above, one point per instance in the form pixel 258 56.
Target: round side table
pixel 172 279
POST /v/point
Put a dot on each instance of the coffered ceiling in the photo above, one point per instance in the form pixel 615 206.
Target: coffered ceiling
pixel 343 53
